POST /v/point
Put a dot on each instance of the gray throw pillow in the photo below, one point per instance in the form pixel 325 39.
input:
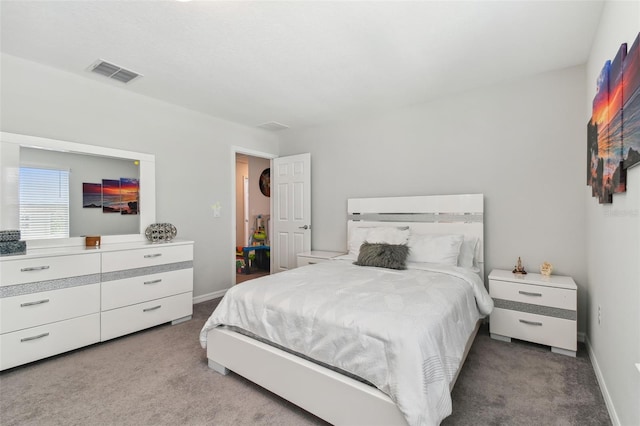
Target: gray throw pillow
pixel 391 256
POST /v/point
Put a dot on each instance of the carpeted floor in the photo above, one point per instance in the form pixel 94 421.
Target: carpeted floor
pixel 160 377
pixel 255 273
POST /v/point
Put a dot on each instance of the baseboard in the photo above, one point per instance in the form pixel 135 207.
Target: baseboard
pixel 603 386
pixel 209 296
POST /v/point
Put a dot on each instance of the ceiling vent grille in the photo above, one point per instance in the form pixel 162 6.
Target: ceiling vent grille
pixel 113 72
pixel 273 126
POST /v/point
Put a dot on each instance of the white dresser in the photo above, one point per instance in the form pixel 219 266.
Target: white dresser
pixel 534 308
pixel 316 256
pixel 58 299
pixel 143 287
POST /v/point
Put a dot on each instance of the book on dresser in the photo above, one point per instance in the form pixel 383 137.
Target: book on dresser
pixel 58 299
pixel 536 308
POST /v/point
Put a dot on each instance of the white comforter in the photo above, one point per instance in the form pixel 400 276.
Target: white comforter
pixel 403 331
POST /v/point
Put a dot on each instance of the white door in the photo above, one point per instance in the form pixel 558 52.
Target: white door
pixel 291 218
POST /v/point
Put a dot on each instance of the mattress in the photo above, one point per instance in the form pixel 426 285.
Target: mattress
pixel 402 331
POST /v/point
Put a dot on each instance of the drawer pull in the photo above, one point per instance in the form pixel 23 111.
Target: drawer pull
pixel 34 268
pixel 39 302
pixel 39 336
pixel 528 293
pixel 152 309
pixel 530 322
pixel 312 263
pixel 148 256
pixel 153 282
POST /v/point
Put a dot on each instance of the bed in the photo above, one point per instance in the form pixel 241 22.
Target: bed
pixel 366 343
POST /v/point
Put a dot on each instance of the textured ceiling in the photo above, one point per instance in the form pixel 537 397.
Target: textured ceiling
pixel 302 63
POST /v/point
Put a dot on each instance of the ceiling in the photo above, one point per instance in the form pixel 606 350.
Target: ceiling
pixel 302 63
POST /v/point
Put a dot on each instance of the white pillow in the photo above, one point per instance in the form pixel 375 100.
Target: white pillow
pixel 466 258
pixel 376 235
pixel 443 249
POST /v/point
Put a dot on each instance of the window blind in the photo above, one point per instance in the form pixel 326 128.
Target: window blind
pixel 44 203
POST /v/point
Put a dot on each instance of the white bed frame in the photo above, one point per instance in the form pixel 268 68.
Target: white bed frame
pixel 338 399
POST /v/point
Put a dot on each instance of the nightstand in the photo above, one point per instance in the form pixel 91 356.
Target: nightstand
pixel 316 256
pixel 534 308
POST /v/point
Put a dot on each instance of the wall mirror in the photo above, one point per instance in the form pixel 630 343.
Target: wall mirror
pixel 117 221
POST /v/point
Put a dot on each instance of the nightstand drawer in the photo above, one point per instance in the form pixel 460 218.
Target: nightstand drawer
pixel 316 256
pixel 533 294
pixel 303 260
pixel 550 331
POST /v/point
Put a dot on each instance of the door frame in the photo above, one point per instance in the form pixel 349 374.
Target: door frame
pixel 252 153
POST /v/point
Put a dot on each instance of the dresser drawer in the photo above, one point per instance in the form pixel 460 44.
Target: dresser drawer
pixel 118 322
pixel 151 256
pixel 48 268
pixel 129 291
pixel 30 310
pixel 533 294
pixel 35 343
pixel 550 331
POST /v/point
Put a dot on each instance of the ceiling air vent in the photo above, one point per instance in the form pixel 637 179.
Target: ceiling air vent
pixel 114 72
pixel 273 126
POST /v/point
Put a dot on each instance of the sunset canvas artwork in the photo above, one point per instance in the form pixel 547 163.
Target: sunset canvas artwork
pixel 631 105
pixel 613 133
pixel 111 196
pixel 129 192
pixel 597 136
pixel 91 195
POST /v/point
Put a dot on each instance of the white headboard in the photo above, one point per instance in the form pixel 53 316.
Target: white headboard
pixel 434 214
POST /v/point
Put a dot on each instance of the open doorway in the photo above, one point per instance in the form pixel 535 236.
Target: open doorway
pixel 253 216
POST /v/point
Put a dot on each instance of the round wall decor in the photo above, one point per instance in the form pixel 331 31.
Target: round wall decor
pixel 265 182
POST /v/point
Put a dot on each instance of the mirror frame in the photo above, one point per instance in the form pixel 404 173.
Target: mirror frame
pixel 10 144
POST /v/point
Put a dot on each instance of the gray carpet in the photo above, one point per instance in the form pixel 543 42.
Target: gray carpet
pixel 160 377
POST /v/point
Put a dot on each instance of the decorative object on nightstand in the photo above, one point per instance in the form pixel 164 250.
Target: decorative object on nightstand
pixel 519 269
pixel 316 256
pixel 546 268
pixel 536 308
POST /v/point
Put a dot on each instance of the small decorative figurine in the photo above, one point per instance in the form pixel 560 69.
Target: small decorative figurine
pixel 519 269
pixel 546 268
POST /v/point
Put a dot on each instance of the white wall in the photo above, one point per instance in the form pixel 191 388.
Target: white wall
pixel 613 241
pixel 520 143
pixel 193 150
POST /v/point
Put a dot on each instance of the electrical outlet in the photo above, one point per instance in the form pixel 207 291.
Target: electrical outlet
pixel 216 209
pixel 599 314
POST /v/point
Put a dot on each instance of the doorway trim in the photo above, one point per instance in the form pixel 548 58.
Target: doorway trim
pixel 252 153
